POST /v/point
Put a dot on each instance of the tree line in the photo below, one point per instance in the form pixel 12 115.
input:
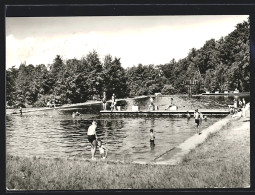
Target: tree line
pixel 219 65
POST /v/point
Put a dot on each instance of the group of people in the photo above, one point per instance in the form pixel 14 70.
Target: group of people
pixel 74 114
pixel 51 105
pixel 94 141
pixel 97 143
pixel 238 105
pixel 153 106
pixel 113 102
pixel 238 109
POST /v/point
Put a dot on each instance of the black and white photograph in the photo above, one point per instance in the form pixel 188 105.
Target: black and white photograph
pixel 127 102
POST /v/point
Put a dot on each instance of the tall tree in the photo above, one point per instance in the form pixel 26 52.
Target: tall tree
pixel 114 77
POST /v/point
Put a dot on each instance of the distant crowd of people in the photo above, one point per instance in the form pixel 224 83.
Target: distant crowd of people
pixel 113 102
pixel 238 105
pixel 238 108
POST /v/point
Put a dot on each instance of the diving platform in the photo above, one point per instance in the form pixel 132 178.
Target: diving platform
pixel 206 112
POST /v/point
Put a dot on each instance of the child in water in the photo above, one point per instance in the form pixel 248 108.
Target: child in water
pixel 102 149
pixel 152 138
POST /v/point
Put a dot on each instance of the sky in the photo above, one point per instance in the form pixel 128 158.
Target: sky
pixel 134 39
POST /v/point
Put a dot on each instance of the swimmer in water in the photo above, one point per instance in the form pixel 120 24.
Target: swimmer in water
pixel 77 113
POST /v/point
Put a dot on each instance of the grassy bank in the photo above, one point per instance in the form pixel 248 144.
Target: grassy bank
pixel 223 160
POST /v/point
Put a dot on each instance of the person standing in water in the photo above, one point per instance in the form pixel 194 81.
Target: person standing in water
pixel 196 116
pixel 102 150
pixel 152 138
pixel 104 101
pixel 92 137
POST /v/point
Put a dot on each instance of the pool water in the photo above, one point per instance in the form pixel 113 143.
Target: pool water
pixel 54 133
pixel 57 134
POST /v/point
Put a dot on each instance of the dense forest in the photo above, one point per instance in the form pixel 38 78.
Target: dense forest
pixel 219 65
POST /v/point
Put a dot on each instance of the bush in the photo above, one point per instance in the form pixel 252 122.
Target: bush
pixel 42 100
pixel 168 90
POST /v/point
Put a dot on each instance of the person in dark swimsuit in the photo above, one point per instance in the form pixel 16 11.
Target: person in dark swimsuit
pixel 92 137
pixel 152 138
pixel 196 116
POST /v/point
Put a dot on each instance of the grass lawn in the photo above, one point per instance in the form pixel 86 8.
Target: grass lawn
pixel 223 160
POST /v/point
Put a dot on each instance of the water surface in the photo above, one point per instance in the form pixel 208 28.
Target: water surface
pixel 127 138
pixel 54 133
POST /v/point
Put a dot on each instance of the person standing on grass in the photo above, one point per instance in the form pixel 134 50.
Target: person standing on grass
pixel 240 103
pixel 201 117
pixel 243 102
pixel 196 116
pixel 243 111
pixel 235 106
pixel 92 137
pixel 104 101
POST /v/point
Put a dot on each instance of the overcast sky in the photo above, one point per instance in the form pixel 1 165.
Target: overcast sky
pixel 134 39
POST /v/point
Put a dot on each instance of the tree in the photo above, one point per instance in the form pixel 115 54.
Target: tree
pixel 11 76
pixel 94 73
pixel 115 80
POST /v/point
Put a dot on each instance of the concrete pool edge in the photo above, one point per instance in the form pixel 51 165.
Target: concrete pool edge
pixel 185 147
pixel 168 158
pixel 194 141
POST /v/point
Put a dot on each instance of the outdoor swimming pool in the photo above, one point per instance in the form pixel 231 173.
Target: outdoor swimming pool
pixel 55 133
